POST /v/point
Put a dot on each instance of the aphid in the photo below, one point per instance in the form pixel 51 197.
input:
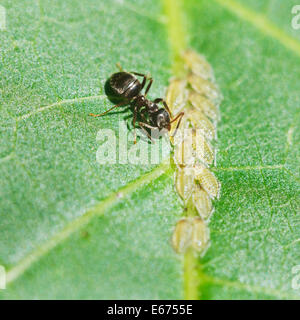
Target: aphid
pixel 200 121
pixel 202 148
pixel 204 105
pixel 183 151
pixel 177 94
pixel 202 202
pixel 182 235
pixel 191 146
pixel 185 182
pixel 207 180
pixel 204 87
pixel 200 235
pixel 197 64
pixel 190 232
pixel 126 88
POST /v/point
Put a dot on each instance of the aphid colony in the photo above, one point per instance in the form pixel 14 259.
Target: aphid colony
pixel 197 96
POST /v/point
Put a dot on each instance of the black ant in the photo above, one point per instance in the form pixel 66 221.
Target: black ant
pixel 125 87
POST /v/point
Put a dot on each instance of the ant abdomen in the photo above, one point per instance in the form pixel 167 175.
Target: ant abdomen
pixel 122 86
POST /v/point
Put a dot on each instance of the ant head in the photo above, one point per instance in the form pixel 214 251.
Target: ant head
pixel 163 119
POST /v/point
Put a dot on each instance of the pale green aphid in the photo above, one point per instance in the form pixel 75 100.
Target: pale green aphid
pixel 185 182
pixel 184 150
pixel 198 65
pixel 204 87
pixel 204 105
pixel 177 95
pixel 182 235
pixel 200 235
pixel 202 148
pixel 200 121
pixel 190 232
pixel 190 145
pixel 202 202
pixel 207 180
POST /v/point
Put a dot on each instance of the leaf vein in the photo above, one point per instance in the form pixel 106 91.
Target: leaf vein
pixel 262 23
pixel 98 210
pixel 250 288
pixel 249 168
pixel 58 104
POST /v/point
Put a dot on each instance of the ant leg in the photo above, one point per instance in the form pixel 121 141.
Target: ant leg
pixel 165 105
pixel 177 116
pixel 148 87
pixel 133 122
pixel 139 74
pixel 144 80
pixel 107 111
pixel 143 115
pixel 146 125
pixel 180 115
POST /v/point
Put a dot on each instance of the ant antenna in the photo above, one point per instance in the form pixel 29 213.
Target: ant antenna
pixel 119 66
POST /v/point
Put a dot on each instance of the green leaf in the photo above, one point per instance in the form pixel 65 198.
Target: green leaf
pixel 71 228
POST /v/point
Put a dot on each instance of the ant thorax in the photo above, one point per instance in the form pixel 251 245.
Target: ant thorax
pixel 142 101
pixel 139 100
pixel 151 106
